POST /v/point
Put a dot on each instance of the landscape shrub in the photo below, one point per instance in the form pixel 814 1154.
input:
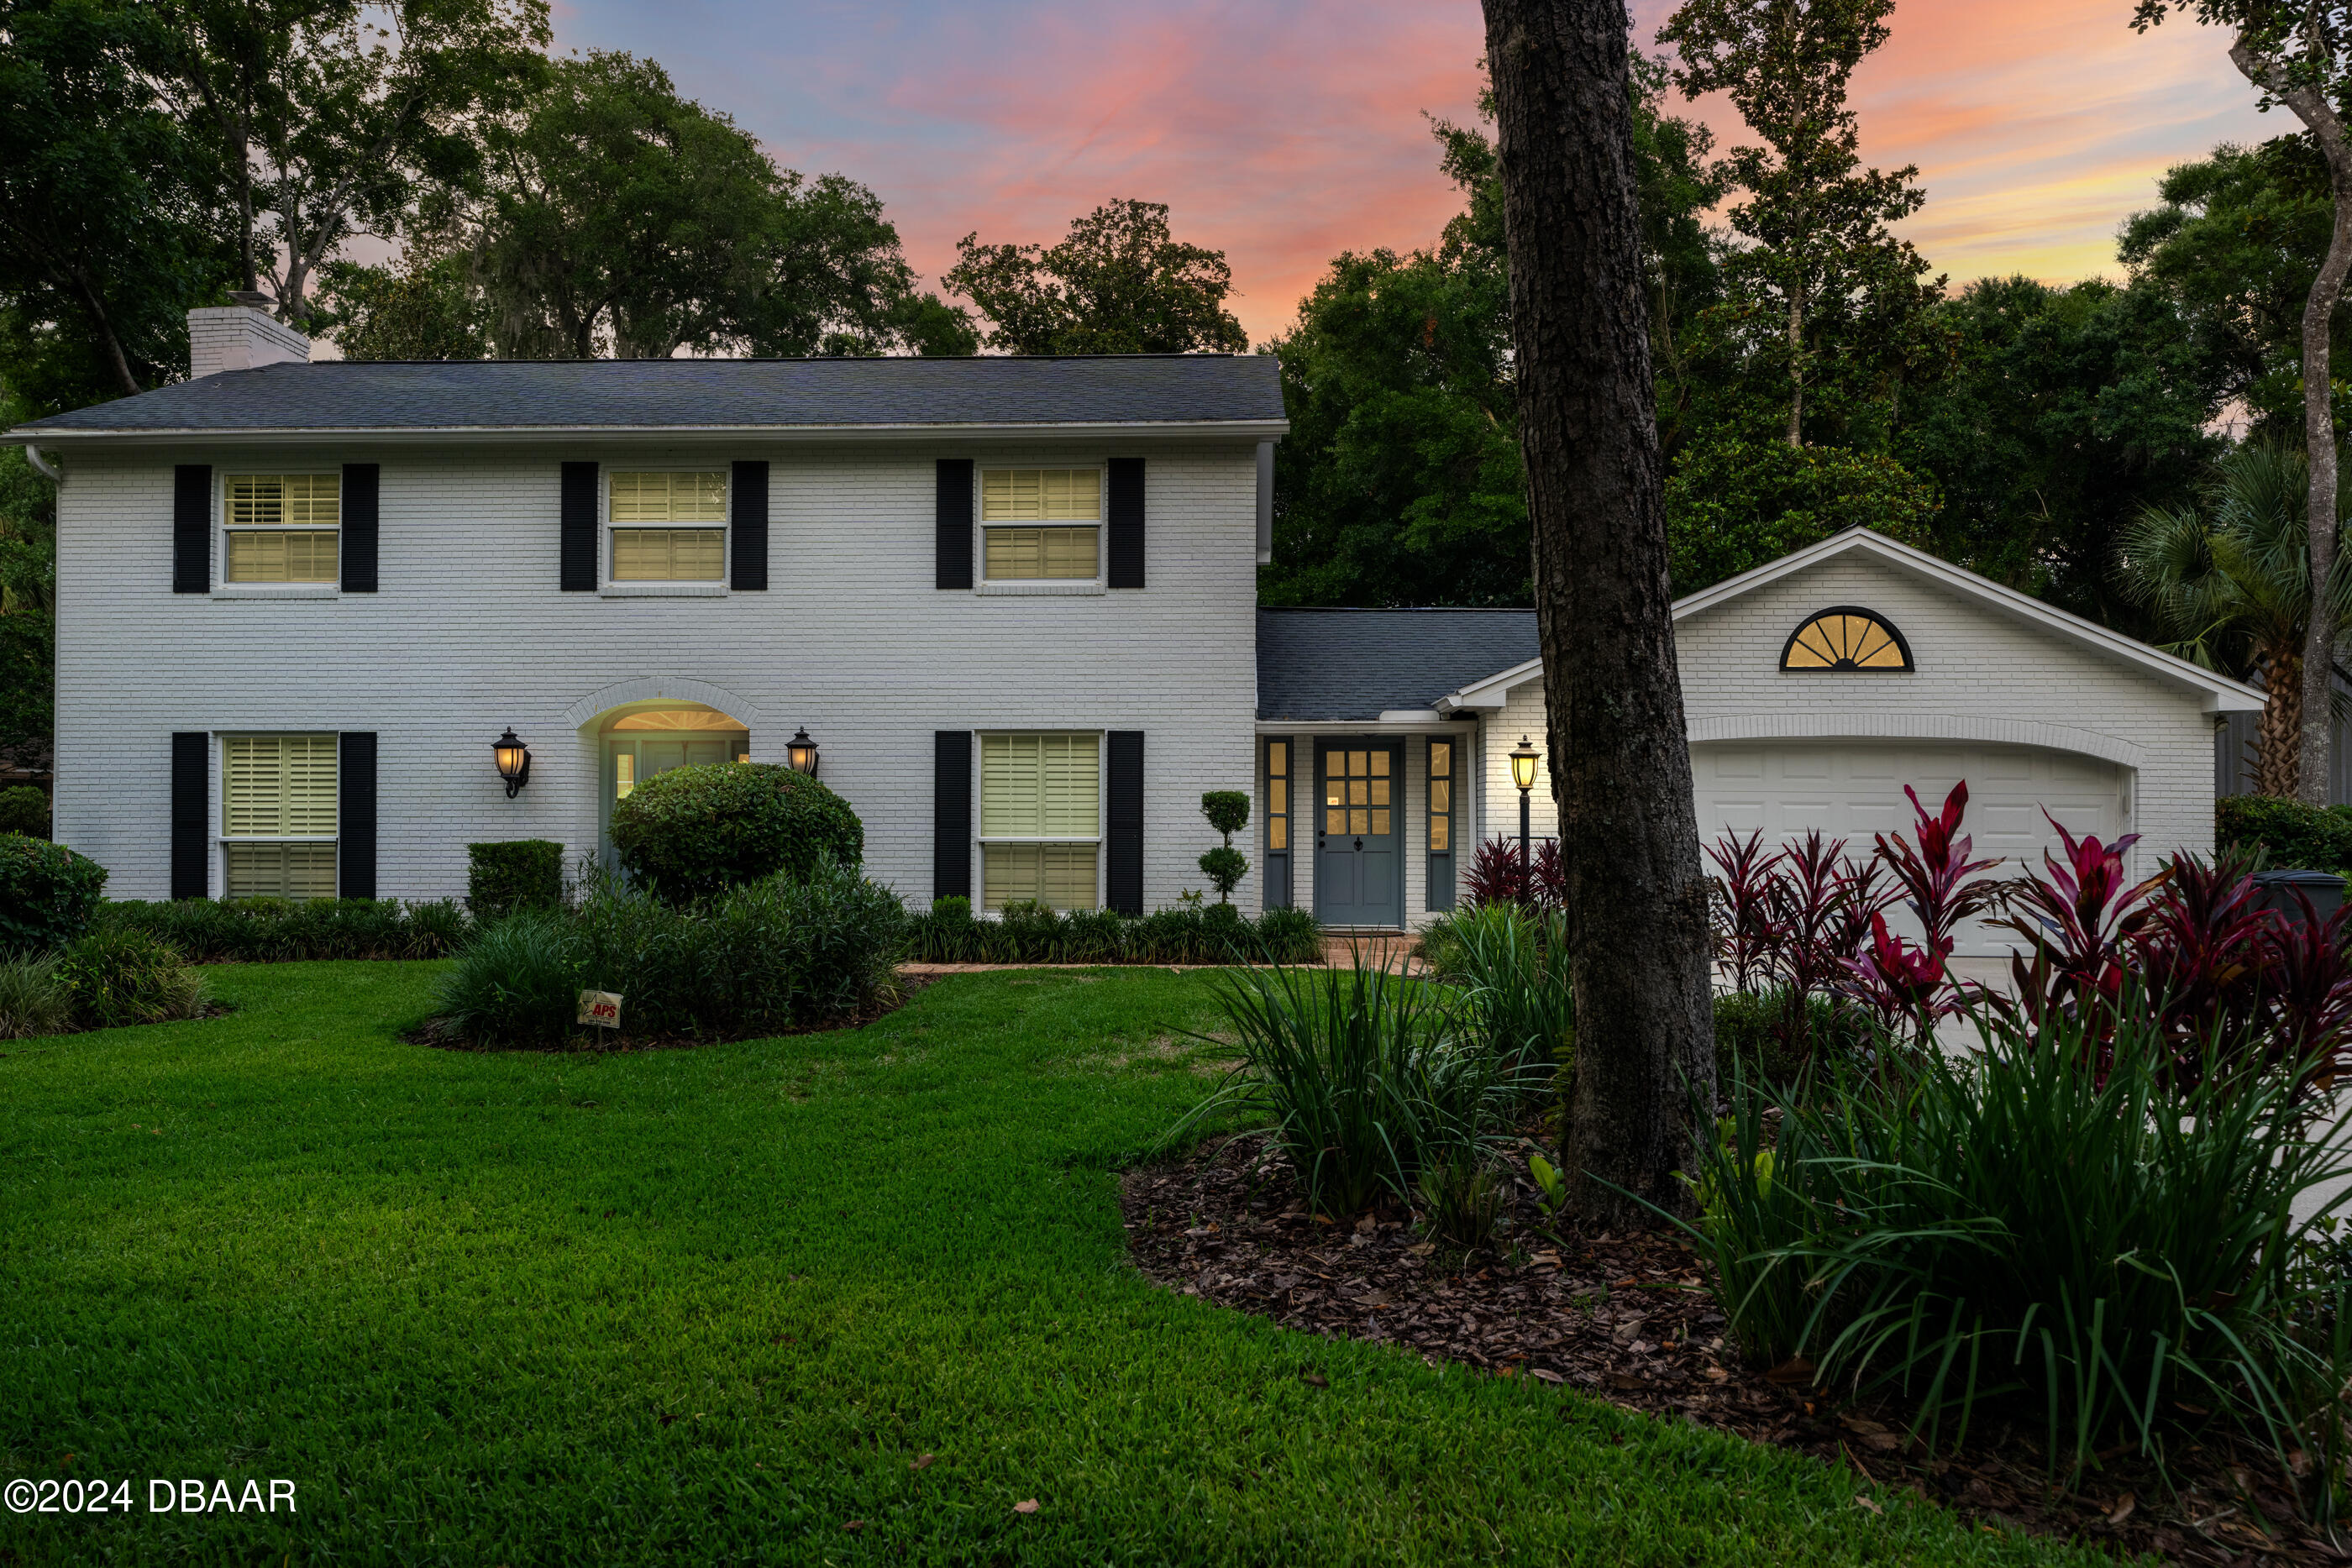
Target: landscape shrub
pixel 2092 1251
pixel 117 976
pixel 48 894
pixel 511 874
pixel 25 808
pixel 279 930
pixel 1371 1083
pixel 766 956
pixel 2289 834
pixel 33 1000
pixel 1511 966
pixel 691 832
pixel 1751 1036
pixel 949 933
pixel 1228 811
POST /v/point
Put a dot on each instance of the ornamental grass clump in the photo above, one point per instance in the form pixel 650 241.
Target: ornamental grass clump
pixel 34 1000
pixel 118 978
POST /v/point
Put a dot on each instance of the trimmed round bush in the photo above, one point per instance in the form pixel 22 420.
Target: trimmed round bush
pixel 48 894
pixel 119 977
pixel 691 832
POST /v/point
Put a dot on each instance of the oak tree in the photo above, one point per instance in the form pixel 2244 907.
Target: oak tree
pixel 1119 283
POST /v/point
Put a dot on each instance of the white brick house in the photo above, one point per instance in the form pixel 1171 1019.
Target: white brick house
pixel 1012 600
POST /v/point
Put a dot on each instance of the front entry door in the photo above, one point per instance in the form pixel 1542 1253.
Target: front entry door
pixel 1359 869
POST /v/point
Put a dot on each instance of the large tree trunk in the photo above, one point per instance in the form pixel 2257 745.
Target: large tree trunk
pixel 1620 763
pixel 2278 733
pixel 1796 367
pixel 2319 117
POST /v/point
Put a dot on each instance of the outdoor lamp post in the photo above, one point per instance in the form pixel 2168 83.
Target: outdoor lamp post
pixel 799 752
pixel 1523 774
pixel 514 761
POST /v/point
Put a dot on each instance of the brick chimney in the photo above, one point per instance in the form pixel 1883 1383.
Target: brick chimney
pixel 241 336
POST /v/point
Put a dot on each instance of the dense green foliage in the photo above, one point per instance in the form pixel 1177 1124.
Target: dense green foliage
pixel 456 1295
pixel 1026 933
pixel 276 930
pixel 25 808
pixel 1736 504
pixel 2290 834
pixel 116 976
pixel 691 831
pixel 778 954
pixel 34 999
pixel 48 894
pixel 1119 283
pixel 518 874
pixel 2006 1232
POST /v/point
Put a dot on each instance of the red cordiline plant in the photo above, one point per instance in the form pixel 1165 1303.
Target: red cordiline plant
pixel 1496 877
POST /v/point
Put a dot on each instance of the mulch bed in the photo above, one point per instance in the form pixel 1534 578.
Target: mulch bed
pixel 1629 1319
pixel 614 1043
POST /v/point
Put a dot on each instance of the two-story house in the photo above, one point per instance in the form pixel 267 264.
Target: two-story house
pixel 1005 606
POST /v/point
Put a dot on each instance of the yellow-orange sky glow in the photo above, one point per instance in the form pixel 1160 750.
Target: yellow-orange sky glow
pixel 1283 131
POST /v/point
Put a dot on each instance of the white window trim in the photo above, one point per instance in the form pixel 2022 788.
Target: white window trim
pixel 986 587
pixel 223 588
pixel 611 587
pixel 216 802
pixel 980 808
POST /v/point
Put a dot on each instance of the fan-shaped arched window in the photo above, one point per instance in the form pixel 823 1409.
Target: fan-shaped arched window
pixel 1845 638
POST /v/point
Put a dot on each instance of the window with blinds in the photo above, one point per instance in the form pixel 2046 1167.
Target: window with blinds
pixel 669 526
pixel 278 815
pixel 281 528
pixel 1012 497
pixel 1040 819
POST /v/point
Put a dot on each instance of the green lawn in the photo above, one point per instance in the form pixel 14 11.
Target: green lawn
pixel 706 1306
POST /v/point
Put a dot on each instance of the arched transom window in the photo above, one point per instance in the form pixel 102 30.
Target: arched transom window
pixel 1844 638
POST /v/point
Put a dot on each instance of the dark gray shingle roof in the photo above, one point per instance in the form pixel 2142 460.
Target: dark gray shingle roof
pixel 1137 389
pixel 1322 665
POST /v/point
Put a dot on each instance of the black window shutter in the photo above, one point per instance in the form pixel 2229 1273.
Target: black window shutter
pixel 951 813
pixel 1125 555
pixel 360 481
pixel 576 558
pixel 1123 841
pixel 191 779
pixel 192 528
pixel 748 570
pixel 355 814
pixel 955 522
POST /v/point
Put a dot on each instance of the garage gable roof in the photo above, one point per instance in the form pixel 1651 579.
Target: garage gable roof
pixel 2221 693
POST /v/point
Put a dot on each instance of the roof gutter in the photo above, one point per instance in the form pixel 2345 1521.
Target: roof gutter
pixel 43 466
pixel 1210 430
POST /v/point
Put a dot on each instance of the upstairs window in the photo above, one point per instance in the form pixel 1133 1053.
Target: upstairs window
pixel 1844 638
pixel 282 528
pixel 669 526
pixel 1040 819
pixel 1041 524
pixel 278 815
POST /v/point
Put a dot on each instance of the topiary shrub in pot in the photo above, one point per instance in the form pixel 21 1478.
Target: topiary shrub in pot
pixel 691 832
pixel 48 894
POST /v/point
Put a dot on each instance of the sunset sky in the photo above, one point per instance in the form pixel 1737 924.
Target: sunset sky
pixel 1284 133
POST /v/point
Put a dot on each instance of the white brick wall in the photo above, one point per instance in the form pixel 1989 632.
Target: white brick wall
pixel 1981 676
pixel 470 633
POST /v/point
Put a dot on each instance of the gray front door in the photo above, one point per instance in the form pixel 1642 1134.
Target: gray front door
pixel 1359 869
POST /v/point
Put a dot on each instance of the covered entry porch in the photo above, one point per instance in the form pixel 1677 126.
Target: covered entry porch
pixel 1370 827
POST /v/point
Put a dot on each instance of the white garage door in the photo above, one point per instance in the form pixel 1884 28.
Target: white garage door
pixel 1854 789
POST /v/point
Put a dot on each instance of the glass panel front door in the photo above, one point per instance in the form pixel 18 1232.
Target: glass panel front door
pixel 1358 826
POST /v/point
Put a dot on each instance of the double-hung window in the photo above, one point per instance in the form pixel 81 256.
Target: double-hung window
pixel 1041 524
pixel 278 815
pixel 668 527
pixel 281 528
pixel 1040 819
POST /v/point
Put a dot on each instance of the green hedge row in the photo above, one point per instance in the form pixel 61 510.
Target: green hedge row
pixel 949 933
pixel 2291 835
pixel 275 930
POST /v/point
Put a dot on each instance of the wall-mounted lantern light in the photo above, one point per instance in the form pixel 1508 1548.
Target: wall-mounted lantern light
pixel 514 761
pixel 1523 774
pixel 801 752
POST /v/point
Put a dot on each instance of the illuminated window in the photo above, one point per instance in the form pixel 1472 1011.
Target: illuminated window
pixel 689 540
pixel 1846 639
pixel 282 528
pixel 279 815
pixel 1041 495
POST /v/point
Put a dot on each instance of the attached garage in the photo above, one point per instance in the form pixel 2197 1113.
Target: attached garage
pixel 1818 686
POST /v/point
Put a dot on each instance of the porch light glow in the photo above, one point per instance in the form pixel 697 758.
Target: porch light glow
pixel 801 752
pixel 514 761
pixel 1523 765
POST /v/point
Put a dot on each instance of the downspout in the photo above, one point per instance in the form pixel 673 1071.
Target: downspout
pixel 1266 503
pixel 43 466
